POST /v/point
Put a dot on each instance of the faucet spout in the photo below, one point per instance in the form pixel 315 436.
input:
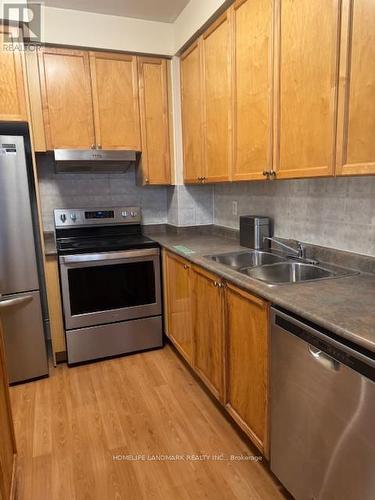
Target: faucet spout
pixel 300 252
pixel 287 247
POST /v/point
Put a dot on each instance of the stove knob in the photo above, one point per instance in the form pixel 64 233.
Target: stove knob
pixel 124 214
pixel 73 217
pixel 133 214
pixel 63 218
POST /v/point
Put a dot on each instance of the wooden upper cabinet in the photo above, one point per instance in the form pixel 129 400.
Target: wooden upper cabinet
pixel 247 364
pixel 115 95
pixel 356 124
pixel 35 98
pixel 216 53
pixel 306 64
pixel 192 109
pixel 154 113
pixel 66 98
pixel 208 324
pixel 178 306
pixel 12 92
pixel 7 437
pixel 252 88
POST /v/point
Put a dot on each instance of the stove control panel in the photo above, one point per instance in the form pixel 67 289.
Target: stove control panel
pixel 101 216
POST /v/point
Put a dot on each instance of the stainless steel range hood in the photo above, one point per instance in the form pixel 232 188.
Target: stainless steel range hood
pixel 94 160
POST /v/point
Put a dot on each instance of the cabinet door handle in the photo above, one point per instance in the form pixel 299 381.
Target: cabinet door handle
pixel 92 146
pixel 99 146
pixel 272 173
pixel 147 180
pixel 186 266
pixel 266 173
pixel 218 284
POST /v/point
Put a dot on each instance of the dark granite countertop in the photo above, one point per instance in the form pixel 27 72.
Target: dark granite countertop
pixel 344 306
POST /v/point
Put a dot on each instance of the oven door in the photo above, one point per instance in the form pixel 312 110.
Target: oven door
pixel 99 288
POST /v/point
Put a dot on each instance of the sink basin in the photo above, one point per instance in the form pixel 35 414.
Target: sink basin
pixel 238 260
pixel 275 269
pixel 289 272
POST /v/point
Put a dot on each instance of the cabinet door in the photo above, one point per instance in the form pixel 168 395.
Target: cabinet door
pixel 115 94
pixel 7 438
pixel 356 124
pixel 66 98
pixel 306 65
pixel 247 364
pixel 208 324
pixel 252 88
pixel 192 109
pixel 216 50
pixel 153 100
pixel 178 306
pixel 12 92
pixel 35 98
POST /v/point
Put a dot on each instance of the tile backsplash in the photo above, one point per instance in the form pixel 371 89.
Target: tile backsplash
pixel 97 190
pixel 336 212
pixel 190 205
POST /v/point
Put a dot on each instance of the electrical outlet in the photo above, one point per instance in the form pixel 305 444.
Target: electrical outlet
pixel 234 207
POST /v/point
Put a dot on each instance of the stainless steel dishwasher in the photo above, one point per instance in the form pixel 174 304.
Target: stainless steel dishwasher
pixel 322 413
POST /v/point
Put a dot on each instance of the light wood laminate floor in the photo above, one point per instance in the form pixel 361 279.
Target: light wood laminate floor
pixel 71 425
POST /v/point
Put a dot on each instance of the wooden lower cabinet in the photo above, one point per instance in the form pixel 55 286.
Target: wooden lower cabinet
pixel 177 276
pixel 223 333
pixel 247 363
pixel 208 327
pixel 7 437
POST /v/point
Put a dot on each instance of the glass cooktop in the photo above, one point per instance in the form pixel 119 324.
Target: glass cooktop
pixel 103 244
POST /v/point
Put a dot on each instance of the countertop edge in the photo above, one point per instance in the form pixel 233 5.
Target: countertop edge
pixel 252 287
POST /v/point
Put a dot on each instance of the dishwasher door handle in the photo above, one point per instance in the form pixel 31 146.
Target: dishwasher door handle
pixel 323 358
pixel 297 327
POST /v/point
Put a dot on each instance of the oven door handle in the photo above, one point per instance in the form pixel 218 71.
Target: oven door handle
pixel 106 256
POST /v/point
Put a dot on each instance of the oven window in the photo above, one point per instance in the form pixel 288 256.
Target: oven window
pixel 102 288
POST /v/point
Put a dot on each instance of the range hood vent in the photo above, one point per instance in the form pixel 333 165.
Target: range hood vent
pixel 94 160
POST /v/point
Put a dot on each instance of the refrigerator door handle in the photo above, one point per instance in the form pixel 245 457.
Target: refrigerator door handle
pixel 5 303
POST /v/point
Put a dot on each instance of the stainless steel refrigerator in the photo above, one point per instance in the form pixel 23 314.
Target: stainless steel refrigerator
pixel 20 259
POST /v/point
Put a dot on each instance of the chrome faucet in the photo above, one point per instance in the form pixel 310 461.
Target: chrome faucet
pixel 300 252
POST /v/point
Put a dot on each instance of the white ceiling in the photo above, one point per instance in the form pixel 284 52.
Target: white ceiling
pixel 154 10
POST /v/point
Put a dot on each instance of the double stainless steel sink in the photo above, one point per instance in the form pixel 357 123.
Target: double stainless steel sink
pixel 273 268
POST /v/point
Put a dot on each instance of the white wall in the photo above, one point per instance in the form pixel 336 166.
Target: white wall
pixel 87 29
pixel 73 27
